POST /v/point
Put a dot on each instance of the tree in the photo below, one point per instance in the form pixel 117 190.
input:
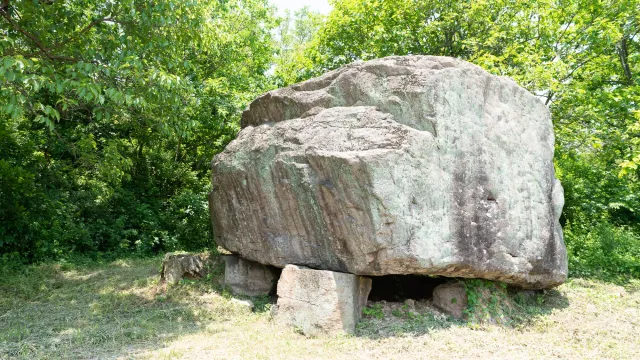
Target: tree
pixel 294 35
pixel 111 113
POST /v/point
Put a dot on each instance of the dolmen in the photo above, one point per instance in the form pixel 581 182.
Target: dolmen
pixel 400 165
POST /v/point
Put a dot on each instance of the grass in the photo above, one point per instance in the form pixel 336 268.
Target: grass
pixel 121 311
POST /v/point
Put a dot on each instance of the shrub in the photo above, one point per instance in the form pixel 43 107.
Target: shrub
pixel 603 251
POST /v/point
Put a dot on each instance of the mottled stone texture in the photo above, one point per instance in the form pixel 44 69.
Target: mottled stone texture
pixel 451 298
pixel 402 165
pixel 249 278
pixel 321 301
pixel 178 266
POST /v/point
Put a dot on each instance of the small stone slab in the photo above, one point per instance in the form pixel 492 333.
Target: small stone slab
pixel 245 277
pixel 321 301
pixel 178 266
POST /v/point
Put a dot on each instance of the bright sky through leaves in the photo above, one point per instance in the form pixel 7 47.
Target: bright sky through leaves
pixel 321 6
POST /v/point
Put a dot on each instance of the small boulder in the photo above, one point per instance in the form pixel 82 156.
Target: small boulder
pixel 451 298
pixel 178 266
pixel 249 278
pixel 410 303
pixel 321 301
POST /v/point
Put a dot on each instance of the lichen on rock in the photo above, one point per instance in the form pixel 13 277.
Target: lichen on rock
pixel 401 165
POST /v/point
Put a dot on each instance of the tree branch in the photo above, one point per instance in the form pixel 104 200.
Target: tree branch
pixel 34 39
pixel 623 54
pixel 87 28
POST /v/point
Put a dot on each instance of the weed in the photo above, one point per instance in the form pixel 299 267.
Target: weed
pixel 487 301
pixel 374 311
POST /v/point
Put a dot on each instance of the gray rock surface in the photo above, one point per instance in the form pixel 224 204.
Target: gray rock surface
pixel 451 298
pixel 401 165
pixel 248 278
pixel 178 266
pixel 321 301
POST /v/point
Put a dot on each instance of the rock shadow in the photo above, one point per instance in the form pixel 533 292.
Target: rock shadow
pixel 403 306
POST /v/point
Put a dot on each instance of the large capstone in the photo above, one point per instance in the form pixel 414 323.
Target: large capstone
pixel 401 165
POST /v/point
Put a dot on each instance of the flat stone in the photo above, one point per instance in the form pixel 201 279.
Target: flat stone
pixel 401 165
pixel 451 298
pixel 249 278
pixel 321 301
pixel 178 266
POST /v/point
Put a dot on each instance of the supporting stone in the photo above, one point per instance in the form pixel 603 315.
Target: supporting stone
pixel 321 301
pixel 249 278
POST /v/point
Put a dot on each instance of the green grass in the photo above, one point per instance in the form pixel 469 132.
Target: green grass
pixel 120 310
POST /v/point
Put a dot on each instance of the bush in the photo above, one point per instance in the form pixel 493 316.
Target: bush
pixel 603 251
pixel 48 211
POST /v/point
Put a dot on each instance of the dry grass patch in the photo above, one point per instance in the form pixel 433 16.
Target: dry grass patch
pixel 121 311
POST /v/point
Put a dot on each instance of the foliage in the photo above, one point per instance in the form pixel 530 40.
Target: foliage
pixel 294 37
pixel 581 57
pixel 111 113
pixel 487 301
pixel 374 311
pixel 491 302
pixel 604 251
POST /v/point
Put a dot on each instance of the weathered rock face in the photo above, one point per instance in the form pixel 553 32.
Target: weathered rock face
pixel 321 301
pixel 402 165
pixel 249 278
pixel 178 266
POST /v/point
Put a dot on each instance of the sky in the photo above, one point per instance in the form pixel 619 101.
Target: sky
pixel 321 6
